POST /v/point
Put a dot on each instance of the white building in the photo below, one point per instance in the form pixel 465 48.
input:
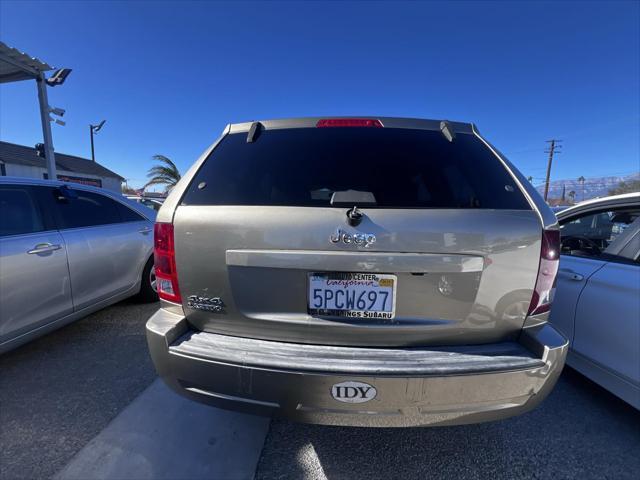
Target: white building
pixel 21 161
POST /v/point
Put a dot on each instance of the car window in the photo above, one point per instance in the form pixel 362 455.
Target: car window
pixel 87 209
pixel 402 168
pixel 128 214
pixel 19 213
pixel 591 233
pixel 151 204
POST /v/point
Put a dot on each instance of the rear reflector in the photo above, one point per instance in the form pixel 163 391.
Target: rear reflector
pixel 547 272
pixel 165 263
pixel 349 122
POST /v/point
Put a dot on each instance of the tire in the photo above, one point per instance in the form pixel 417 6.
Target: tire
pixel 148 291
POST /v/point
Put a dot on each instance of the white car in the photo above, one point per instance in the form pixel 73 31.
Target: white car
pixel 597 303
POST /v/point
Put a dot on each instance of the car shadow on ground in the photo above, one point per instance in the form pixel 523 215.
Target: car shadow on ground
pixel 580 430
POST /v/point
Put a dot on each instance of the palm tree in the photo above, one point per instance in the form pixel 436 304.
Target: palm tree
pixel 165 173
pixel 581 180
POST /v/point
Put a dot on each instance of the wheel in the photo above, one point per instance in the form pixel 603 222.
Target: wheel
pixel 148 291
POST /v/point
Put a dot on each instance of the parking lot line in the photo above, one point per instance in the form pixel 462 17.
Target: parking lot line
pixel 162 435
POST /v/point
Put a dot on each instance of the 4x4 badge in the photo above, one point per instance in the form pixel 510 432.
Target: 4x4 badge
pixel 208 304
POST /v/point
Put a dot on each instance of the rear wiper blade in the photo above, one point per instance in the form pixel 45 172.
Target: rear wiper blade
pixel 349 198
pixel 353 198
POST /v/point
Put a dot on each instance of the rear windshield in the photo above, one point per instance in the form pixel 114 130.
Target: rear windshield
pixel 402 168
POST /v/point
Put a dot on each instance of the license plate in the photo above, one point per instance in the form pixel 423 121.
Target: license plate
pixel 356 295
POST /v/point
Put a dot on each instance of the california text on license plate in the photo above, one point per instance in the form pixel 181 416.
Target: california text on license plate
pixel 356 295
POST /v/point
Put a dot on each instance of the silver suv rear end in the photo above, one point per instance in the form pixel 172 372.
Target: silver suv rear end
pixel 369 271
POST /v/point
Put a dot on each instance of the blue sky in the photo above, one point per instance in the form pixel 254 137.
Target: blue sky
pixel 168 76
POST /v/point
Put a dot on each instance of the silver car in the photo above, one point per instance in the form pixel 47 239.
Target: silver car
pixel 147 202
pixel 597 306
pixel 67 250
pixel 357 271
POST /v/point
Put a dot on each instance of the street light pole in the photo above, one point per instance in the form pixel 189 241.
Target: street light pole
pixel 42 83
pixel 93 154
pixel 94 129
pixel 46 126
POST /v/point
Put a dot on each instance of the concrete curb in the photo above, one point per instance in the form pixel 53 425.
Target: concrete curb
pixel 162 435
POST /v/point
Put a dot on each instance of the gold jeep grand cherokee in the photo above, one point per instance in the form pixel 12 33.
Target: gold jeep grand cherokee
pixel 357 271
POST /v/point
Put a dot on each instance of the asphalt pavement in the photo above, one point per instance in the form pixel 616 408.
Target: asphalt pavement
pixel 67 398
pixel 58 392
pixel 580 431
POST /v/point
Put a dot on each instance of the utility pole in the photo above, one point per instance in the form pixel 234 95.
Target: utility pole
pixel 553 148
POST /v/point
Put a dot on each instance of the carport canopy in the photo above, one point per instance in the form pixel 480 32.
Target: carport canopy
pixel 16 65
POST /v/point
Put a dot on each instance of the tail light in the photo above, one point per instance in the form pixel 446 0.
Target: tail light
pixel 349 122
pixel 165 263
pixel 547 272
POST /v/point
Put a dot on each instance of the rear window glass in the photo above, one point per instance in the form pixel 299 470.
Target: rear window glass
pixel 128 215
pixel 402 168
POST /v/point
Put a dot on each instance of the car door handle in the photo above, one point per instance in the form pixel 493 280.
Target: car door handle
pixel 145 230
pixel 44 248
pixel 576 277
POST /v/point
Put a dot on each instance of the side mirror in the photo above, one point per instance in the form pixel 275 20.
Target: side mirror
pixel 64 193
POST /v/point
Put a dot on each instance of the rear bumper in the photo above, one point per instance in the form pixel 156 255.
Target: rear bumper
pixel 414 386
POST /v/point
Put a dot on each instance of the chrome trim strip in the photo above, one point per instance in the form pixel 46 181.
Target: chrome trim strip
pixel 233 398
pixel 356 261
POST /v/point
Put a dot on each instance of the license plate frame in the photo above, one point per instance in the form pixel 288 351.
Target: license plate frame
pixel 352 284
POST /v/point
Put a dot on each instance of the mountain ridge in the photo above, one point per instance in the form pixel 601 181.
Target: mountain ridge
pixel 593 186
